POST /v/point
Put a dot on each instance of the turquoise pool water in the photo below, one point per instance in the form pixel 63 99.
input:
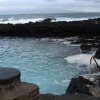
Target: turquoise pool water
pixel 41 62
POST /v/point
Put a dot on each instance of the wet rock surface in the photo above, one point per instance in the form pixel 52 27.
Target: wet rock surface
pixel 79 85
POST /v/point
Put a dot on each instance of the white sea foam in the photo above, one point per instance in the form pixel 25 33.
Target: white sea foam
pixel 81 59
pixel 69 19
pixel 45 39
pixel 64 41
pixel 14 20
pixel 75 45
pixel 63 83
pixel 17 21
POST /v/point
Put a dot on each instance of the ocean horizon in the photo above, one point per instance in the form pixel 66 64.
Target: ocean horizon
pixel 26 18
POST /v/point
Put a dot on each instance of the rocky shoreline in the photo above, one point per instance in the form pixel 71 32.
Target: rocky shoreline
pixel 47 28
pixel 11 88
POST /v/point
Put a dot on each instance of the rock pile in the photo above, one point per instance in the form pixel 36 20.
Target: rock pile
pixel 82 85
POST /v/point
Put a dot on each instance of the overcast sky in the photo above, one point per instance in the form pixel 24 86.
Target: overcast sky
pixel 48 6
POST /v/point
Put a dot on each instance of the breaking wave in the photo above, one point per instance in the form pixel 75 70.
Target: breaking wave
pixel 81 59
pixel 25 18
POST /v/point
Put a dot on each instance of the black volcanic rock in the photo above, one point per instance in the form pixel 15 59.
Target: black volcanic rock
pixel 46 28
pixel 48 20
pixel 97 54
pixel 78 85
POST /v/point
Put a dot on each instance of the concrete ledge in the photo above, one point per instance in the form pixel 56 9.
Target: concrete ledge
pixel 23 91
pixel 9 75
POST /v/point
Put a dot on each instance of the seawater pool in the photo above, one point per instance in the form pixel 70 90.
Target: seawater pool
pixel 41 61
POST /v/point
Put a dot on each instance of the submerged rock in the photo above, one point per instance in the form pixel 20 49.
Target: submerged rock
pixel 85 47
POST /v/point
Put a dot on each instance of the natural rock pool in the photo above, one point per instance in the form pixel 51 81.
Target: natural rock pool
pixel 41 61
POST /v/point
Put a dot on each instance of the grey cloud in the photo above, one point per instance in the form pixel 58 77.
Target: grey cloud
pixel 89 0
pixel 43 6
pixel 50 0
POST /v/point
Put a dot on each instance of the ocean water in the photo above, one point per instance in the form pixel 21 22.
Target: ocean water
pixel 49 63
pixel 25 18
